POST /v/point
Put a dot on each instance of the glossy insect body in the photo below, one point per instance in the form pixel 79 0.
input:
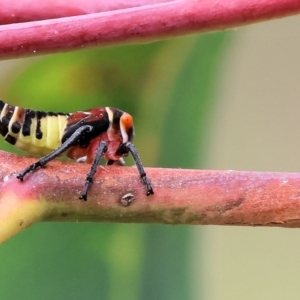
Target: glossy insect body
pixel 36 132
pixel 84 135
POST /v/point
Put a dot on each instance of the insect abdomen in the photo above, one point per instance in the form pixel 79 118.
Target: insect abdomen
pixel 36 132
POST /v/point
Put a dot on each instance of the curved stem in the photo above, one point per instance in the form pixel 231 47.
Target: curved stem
pixel 139 24
pixel 33 10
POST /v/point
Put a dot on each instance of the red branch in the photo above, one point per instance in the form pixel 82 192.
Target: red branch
pixel 33 10
pixel 181 196
pixel 144 23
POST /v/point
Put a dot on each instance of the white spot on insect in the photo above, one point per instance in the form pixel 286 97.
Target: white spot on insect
pixel 81 159
pixel 85 112
pixel 284 181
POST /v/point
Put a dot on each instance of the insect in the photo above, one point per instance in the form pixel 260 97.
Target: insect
pixel 85 136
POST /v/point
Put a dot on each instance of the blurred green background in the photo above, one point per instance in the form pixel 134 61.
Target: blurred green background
pixel 168 87
pixel 217 101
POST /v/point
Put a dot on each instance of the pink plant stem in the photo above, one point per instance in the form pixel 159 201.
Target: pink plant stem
pixel 181 196
pixel 140 24
pixel 33 10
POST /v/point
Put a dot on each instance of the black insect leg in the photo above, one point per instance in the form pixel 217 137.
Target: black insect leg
pixel 71 141
pixel 89 178
pixel 131 148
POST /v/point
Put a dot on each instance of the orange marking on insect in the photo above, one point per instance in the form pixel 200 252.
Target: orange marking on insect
pixel 127 121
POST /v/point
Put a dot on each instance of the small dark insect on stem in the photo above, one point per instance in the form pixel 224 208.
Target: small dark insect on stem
pixel 108 130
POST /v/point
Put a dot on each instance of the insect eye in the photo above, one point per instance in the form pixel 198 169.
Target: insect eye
pixel 126 121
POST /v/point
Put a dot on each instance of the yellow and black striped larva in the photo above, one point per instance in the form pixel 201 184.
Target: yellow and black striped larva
pixel 85 136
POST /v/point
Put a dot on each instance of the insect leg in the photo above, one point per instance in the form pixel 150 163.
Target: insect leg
pixel 71 141
pixel 131 148
pixel 89 178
